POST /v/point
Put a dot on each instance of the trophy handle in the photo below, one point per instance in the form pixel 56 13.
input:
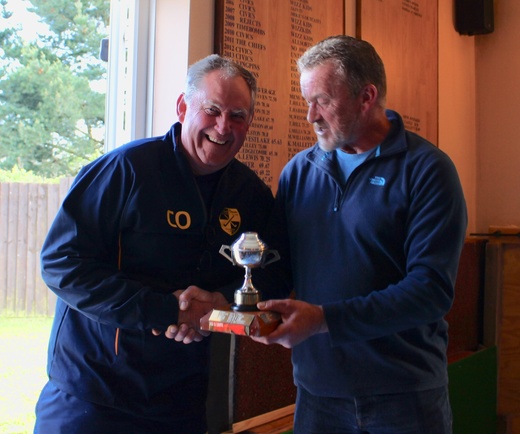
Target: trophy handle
pixel 222 251
pixel 274 258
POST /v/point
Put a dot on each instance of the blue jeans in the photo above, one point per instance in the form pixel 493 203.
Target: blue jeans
pixel 424 412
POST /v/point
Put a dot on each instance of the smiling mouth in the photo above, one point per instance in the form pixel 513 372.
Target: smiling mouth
pixel 214 140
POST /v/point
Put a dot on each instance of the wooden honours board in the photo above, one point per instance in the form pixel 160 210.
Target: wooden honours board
pixel 404 33
pixel 267 37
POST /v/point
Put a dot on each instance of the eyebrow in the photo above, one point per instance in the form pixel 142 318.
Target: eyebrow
pixel 233 111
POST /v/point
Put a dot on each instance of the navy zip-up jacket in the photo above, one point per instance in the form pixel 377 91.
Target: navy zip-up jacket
pixel 380 254
pixel 133 229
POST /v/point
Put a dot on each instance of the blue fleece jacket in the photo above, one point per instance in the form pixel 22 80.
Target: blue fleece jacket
pixel 380 254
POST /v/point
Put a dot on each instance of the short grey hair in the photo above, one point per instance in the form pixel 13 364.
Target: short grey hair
pixel 357 61
pixel 229 68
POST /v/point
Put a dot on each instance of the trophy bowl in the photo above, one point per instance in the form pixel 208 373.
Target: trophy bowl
pixel 248 251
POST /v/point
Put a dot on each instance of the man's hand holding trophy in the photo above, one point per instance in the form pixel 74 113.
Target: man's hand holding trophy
pixel 243 317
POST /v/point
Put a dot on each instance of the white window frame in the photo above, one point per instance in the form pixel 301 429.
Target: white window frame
pixel 129 99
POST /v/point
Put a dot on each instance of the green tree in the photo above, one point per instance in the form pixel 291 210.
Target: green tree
pixel 51 116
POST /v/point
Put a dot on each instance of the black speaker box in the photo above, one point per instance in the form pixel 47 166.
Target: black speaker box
pixel 474 17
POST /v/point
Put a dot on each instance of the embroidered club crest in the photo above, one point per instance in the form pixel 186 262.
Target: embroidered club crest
pixel 230 220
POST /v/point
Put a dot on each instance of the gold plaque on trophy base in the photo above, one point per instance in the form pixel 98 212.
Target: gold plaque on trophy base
pixel 245 323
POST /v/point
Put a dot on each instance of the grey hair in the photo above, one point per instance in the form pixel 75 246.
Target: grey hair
pixel 229 68
pixel 357 61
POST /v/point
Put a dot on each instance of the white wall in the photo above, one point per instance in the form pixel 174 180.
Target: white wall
pixel 479 100
pixel 457 104
pixel 498 119
pixel 184 34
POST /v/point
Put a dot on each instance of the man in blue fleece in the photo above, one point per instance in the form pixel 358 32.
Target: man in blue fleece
pixel 140 225
pixel 372 221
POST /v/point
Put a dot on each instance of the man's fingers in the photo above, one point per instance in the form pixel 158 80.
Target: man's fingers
pixel 190 336
pixel 203 333
pixel 274 305
pixel 181 332
pixel 194 292
pixel 193 335
pixel 171 332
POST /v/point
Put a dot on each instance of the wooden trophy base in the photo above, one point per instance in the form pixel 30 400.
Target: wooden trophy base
pixel 234 320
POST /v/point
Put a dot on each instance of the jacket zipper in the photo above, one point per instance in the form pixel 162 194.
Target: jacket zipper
pixel 116 340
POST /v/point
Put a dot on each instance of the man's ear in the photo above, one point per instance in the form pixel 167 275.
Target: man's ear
pixel 369 96
pixel 181 107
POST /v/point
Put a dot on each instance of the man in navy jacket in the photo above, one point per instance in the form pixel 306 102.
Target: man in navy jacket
pixel 371 223
pixel 140 225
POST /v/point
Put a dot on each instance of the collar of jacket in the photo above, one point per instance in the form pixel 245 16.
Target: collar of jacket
pixel 394 143
pixel 175 132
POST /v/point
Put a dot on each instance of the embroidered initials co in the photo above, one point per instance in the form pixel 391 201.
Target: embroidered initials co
pixel 178 219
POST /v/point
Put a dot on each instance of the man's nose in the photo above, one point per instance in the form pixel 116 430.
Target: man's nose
pixel 224 123
pixel 313 114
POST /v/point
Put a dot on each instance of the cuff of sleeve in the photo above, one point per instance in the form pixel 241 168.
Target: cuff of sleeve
pixel 331 312
pixel 162 310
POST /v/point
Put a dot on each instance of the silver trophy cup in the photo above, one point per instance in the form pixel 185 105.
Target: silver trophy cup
pixel 249 252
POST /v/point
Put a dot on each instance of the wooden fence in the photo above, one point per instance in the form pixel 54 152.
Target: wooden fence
pixel 26 212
